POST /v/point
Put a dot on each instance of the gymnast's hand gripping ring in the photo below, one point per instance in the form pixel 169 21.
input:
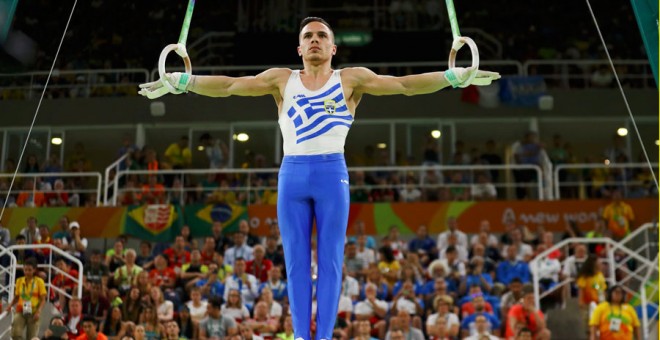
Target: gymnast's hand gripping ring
pixel 180 49
pixel 456 45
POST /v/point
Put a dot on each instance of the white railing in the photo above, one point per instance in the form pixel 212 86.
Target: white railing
pixel 7 287
pixel 52 175
pixel 565 71
pixel 401 171
pixel 86 81
pixel 623 181
pixel 78 281
pixel 614 266
pixel 108 183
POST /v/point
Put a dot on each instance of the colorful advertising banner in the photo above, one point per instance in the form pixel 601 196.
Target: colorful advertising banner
pixel 160 223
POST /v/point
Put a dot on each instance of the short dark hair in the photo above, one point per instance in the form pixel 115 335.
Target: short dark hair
pixel 30 261
pixel 307 20
pixel 215 302
pixel 89 318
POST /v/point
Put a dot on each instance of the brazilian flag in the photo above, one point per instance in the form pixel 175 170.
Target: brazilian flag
pixel 200 218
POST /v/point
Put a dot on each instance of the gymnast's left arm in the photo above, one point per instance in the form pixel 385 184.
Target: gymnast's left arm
pixel 365 81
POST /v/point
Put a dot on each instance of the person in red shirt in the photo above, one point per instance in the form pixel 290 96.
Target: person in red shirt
pixel 525 315
pixel 260 266
pixel 162 275
pixel 73 319
pixel 91 333
pixel 177 255
pixel 61 280
pixel 468 308
pixel 208 250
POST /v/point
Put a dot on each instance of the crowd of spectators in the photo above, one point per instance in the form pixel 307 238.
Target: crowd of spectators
pixel 427 185
pixel 99 42
pixel 451 285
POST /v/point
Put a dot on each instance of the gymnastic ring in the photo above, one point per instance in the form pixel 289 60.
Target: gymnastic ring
pixel 457 44
pixel 180 49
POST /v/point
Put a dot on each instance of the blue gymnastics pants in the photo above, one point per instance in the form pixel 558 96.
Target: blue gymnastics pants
pixel 313 187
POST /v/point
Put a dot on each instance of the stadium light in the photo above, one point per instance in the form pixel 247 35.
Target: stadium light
pixel 381 145
pixel 56 141
pixel 241 137
pixel 622 131
pixel 200 148
pixel 436 134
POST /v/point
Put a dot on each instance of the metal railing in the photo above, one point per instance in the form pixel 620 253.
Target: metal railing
pixel 626 181
pixel 615 267
pixel 7 287
pixel 108 183
pixel 576 73
pixel 86 83
pixel 420 173
pixel 53 175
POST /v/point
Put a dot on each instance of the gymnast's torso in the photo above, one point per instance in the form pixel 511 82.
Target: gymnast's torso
pixel 314 122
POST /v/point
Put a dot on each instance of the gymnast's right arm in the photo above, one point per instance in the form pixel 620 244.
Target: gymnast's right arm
pixel 265 83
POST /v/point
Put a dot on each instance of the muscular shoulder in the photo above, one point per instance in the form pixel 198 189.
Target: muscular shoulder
pixel 275 75
pixel 354 76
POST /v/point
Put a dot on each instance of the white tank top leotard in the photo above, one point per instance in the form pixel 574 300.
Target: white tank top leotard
pixel 314 122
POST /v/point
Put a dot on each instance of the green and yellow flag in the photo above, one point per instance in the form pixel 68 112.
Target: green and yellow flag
pixel 200 217
pixel 155 223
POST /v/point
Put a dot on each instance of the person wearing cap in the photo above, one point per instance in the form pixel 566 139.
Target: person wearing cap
pixel 78 243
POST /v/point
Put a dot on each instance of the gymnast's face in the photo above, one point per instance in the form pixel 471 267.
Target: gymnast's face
pixel 317 43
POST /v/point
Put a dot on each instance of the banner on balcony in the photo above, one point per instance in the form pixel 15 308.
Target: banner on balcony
pixel 407 217
pixel 101 222
pixel 200 218
pixel 154 222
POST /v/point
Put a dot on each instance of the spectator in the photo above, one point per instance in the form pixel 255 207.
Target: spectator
pixel 90 330
pixel 57 197
pixel 131 309
pixel 234 307
pixel 96 305
pixel 262 324
pixel 484 227
pixel 162 275
pixel 373 310
pixel 364 252
pixel 187 328
pixel 239 250
pixel 78 243
pixel 178 154
pixel 207 253
pixel 573 263
pixel 424 245
pixel 527 152
pixel 442 305
pixel 222 242
pixel 259 266
pixel 276 284
pixel 524 252
pixel 407 301
pixel 164 308
pixel 526 315
pixel 172 330
pixel 287 329
pixel 483 190
pixel 355 266
pixel 606 323
pixel 548 269
pixel 511 297
pixel 476 276
pixel 491 157
pixel 388 265
pixel 194 270
pixel 114 258
pixel 196 306
pixel 152 192
pixel 64 233
pixel 210 285
pixel 361 330
pixel 360 230
pixel 591 283
pixel 177 255
pixel 410 191
pixel 245 283
pixel 274 308
pixel 126 275
pixel 619 216
pixel 114 327
pixel 512 267
pixel 30 196
pixel 402 323
pixel 31 231
pixel 468 325
pixel 74 318
pixel 149 320
pixel 452 228
pixel 29 299
pixel 216 324
pixel 55 328
pixel 482 331
pixel 349 286
pixel 454 267
pixel 145 259
pixel 216 151
pixel 461 251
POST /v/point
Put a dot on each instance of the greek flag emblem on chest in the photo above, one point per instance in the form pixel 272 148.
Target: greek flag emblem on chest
pixel 329 106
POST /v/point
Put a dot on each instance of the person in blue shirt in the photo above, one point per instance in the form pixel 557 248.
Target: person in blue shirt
pixel 468 326
pixel 359 230
pixel 510 268
pixel 476 276
pixel 424 245
pixel 211 285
